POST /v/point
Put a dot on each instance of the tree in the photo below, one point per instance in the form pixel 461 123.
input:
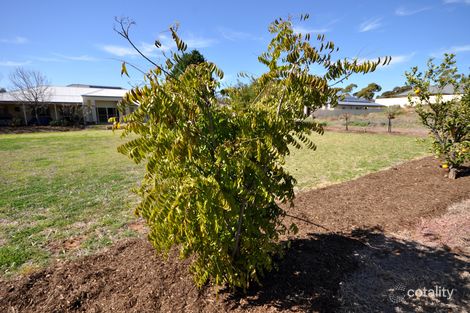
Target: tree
pixel 368 92
pixel 214 173
pixel 30 87
pixel 349 88
pixel 346 117
pixel 193 57
pixel 395 91
pixel 391 113
pixel 448 120
pixel 2 90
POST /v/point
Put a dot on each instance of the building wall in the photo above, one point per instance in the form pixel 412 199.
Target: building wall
pixel 403 101
pixel 12 111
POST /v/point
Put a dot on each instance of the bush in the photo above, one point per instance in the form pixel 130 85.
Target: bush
pixel 214 165
pixel 16 121
pixel 360 123
pixel 447 120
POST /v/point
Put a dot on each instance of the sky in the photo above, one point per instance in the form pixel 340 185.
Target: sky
pixel 74 41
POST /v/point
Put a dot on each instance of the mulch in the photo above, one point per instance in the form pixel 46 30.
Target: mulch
pixel 416 132
pixel 339 227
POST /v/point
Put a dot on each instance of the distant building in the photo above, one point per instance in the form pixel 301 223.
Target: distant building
pixel 401 99
pixel 100 103
pixel 350 104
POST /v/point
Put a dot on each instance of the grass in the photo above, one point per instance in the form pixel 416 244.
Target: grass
pixel 344 156
pixel 68 194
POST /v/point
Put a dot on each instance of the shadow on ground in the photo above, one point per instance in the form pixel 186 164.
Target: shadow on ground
pixel 365 271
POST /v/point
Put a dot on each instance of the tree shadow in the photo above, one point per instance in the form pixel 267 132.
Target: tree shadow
pixel 365 271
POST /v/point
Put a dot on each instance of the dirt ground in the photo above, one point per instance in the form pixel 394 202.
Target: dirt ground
pixel 380 130
pixel 361 246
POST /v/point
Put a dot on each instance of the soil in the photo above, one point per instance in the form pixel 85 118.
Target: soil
pixel 417 132
pixel 347 257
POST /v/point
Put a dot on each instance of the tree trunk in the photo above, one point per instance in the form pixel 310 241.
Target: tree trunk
pixel 453 173
pixel 389 125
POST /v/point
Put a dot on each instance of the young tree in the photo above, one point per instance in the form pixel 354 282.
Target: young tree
pixel 32 88
pixel 214 173
pixel 346 117
pixel 369 91
pixel 448 120
pixel 391 113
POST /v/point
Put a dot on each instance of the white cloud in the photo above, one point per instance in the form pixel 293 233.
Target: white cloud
pixel 456 1
pixel 370 24
pixel 233 35
pixel 396 59
pixel 304 30
pixel 403 58
pixel 17 40
pixel 14 63
pixel 453 49
pixel 199 42
pixel 77 58
pixel 119 51
pixel 48 59
pixel 149 49
pixel 402 11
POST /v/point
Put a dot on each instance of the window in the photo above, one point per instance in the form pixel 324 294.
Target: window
pixel 104 114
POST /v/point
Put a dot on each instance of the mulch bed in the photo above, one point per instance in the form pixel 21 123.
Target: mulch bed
pixel 345 240
pixel 417 132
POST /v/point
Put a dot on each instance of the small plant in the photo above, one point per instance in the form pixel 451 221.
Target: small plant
pixel 360 123
pixel 448 119
pixel 346 117
pixel 391 112
pixel 16 121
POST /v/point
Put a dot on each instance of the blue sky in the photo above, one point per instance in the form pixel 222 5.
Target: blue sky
pixel 74 41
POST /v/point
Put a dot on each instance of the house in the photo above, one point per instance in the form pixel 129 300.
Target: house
pixel 95 104
pixel 352 105
pixel 401 99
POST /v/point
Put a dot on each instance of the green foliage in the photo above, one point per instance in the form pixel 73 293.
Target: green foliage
pixel 447 119
pixel 186 59
pixel 395 91
pixel 349 88
pixel 215 171
pixel 368 92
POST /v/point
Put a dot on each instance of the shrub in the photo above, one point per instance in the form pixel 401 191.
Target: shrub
pixel 447 119
pixel 214 165
pixel 16 121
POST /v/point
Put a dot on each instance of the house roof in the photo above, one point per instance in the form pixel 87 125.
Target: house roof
pixel 73 93
pixel 447 90
pixel 351 100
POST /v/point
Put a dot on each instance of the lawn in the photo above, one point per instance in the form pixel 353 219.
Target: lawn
pixel 68 194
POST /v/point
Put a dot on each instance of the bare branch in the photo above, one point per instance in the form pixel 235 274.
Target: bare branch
pixel 30 87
